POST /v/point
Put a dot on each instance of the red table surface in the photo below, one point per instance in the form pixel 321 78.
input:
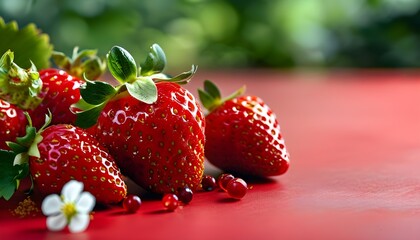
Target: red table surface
pixel 354 141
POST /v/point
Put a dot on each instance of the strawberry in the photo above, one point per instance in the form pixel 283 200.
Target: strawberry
pixel 49 90
pixel 156 135
pixel 160 146
pixel 59 153
pixel 59 91
pixel 61 87
pixel 12 123
pixel 242 134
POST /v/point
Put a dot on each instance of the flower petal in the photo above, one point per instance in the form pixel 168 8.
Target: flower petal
pixel 79 223
pixel 57 222
pixel 86 203
pixel 71 190
pixel 51 205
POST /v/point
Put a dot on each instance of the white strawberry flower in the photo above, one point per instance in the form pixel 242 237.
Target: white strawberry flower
pixel 72 208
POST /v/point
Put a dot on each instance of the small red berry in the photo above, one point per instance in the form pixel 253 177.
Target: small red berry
pixel 224 179
pixel 237 188
pixel 208 183
pixel 132 203
pixel 170 201
pixel 185 195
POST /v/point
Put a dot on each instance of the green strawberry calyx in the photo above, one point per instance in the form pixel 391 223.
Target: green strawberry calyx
pixel 138 82
pixel 83 64
pixel 17 85
pixel 15 162
pixel 211 97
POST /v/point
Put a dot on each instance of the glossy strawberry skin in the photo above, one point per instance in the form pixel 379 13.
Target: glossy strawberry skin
pixel 243 136
pixel 59 91
pixel 68 152
pixel 160 146
pixel 12 123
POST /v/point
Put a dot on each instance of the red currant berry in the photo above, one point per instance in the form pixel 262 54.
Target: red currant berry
pixel 224 179
pixel 132 203
pixel 237 188
pixel 208 183
pixel 185 195
pixel 170 201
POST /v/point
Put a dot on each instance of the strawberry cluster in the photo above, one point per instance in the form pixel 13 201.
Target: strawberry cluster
pixel 57 125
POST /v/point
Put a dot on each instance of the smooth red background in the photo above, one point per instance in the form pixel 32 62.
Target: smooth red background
pixel 354 141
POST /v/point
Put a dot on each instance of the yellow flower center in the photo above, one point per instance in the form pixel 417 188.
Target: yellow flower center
pixel 69 210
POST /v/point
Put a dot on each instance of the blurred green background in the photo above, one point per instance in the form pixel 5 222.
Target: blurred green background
pixel 235 33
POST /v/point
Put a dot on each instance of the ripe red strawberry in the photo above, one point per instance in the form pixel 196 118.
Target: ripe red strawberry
pixel 242 134
pixel 160 146
pixel 155 135
pixel 68 152
pixel 59 91
pixel 60 153
pixel 12 123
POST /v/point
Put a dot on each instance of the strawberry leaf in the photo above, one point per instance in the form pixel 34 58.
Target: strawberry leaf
pixel 211 98
pixel 6 158
pixel 85 63
pixel 23 171
pixel 93 68
pixel 143 89
pixel 212 89
pixel 95 95
pixel 29 43
pixel 89 115
pixel 206 99
pixel 182 78
pixel 17 148
pixel 122 65
pixel 10 174
pixel 97 92
pixel 155 61
pixel 61 60
pixel 33 148
pixel 8 186
pixel 28 138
